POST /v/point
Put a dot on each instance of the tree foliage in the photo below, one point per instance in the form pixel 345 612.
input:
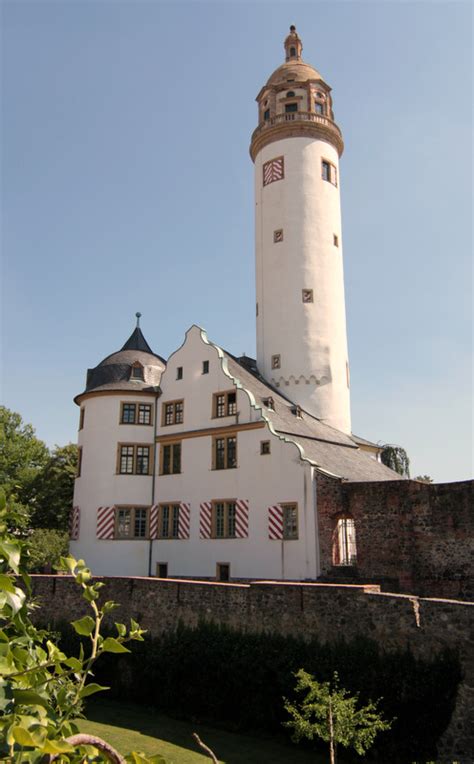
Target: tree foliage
pixel 41 688
pixel 40 483
pixel 329 712
pixel 397 459
pixel 45 549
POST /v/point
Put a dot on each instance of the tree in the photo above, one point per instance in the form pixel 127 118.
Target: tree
pixel 330 712
pixel 424 478
pixel 397 459
pixel 22 455
pixel 53 489
pixel 45 548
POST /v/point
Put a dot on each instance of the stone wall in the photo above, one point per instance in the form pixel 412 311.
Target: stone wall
pixel 412 537
pixel 395 621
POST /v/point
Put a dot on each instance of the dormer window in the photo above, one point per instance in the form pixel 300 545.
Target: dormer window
pixel 269 403
pixel 137 371
pixel 296 411
pixel 290 94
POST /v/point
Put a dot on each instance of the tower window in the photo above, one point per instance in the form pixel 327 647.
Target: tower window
pixel 137 371
pixel 276 361
pixel 307 295
pixel 319 107
pixel 205 367
pixel 336 240
pixel 329 172
pixel 292 51
pixel 135 413
pixel 179 372
pixel 82 413
pixel 266 115
pixel 278 235
pixel 264 447
pixel 133 459
pixel 79 462
pixel 269 403
pixel 290 94
pixel 290 108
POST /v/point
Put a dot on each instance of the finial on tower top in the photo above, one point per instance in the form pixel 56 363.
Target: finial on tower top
pixel 138 317
pixel 293 45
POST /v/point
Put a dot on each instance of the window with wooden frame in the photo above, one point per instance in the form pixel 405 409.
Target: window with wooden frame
pixel 224 404
pixel 264 447
pixel 222 571
pixel 205 367
pixel 82 413
pixel 172 412
pixel 135 413
pixel 329 172
pixel 131 523
pixel 137 372
pixel 170 458
pixel 179 372
pixel 290 520
pixel 168 521
pixel 224 518
pixel 224 450
pixel 79 462
pixel 134 459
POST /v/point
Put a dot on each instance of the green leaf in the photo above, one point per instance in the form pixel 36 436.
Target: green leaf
pixel 23 737
pixel 111 645
pixel 57 746
pixel 6 583
pixel 29 698
pixel 121 629
pixel 11 554
pixel 84 626
pixel 74 663
pixel 90 689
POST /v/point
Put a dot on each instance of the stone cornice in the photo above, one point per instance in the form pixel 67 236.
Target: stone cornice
pixel 303 125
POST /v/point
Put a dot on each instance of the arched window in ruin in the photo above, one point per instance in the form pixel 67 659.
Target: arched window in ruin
pixel 344 546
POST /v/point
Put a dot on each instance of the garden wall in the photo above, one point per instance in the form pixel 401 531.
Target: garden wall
pixel 412 537
pixel 394 621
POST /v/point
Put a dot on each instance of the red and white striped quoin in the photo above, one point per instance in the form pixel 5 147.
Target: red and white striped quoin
pixel 105 522
pixel 74 521
pixel 273 170
pixel 275 522
pixel 205 520
pixel 184 520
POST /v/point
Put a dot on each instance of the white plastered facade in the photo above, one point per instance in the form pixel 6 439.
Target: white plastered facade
pixel 261 480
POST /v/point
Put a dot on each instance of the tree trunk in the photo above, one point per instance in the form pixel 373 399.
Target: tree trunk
pixel 332 747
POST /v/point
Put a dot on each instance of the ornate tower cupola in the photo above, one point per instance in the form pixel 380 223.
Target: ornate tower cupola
pixel 301 323
pixel 293 46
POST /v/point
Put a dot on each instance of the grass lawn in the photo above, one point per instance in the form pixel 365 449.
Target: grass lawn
pixel 135 728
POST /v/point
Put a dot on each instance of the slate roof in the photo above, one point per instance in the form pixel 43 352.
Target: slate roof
pixel 114 371
pixel 329 449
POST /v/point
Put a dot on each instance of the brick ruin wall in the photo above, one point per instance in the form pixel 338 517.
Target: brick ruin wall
pixel 411 537
pixel 394 621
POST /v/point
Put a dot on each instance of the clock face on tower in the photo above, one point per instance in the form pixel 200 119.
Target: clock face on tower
pixel 273 170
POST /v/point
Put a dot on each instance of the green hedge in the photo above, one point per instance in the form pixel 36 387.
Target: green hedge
pixel 219 676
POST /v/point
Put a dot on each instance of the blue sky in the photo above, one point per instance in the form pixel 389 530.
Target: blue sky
pixel 127 185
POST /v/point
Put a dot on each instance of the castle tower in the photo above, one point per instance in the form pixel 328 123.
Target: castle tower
pixel 115 479
pixel 301 322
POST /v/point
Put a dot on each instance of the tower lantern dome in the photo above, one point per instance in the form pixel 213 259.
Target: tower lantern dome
pixel 293 45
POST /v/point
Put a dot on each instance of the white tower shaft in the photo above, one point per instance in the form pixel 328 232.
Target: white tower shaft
pixel 301 322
